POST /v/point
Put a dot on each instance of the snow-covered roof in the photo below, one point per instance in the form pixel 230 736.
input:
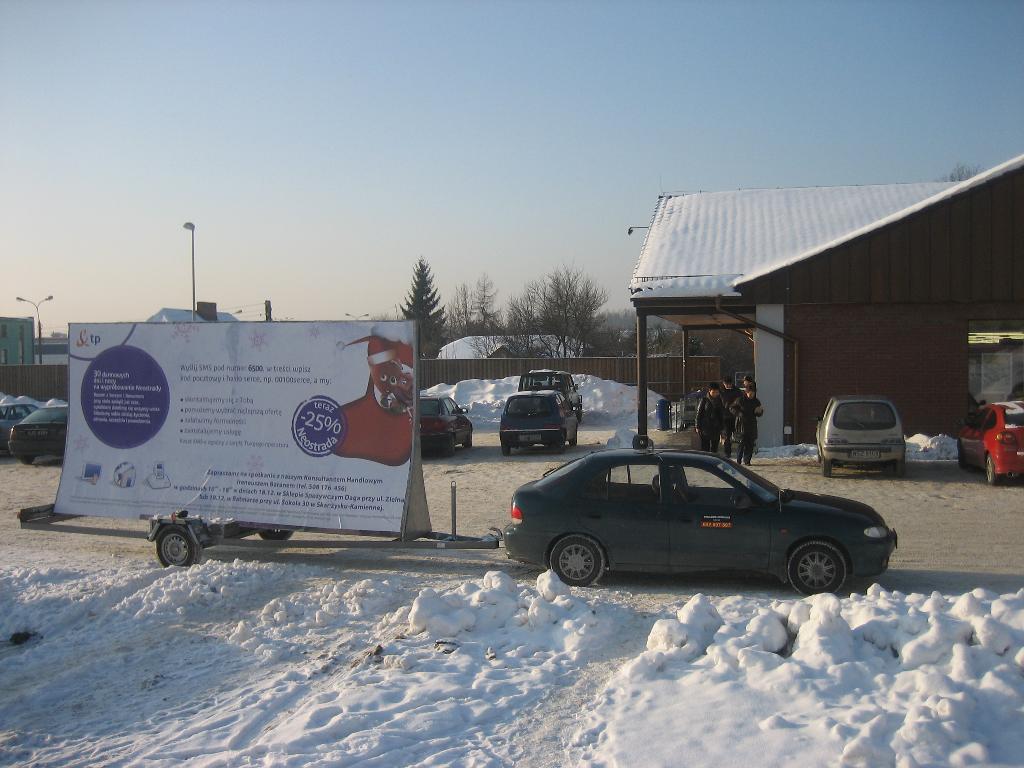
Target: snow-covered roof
pixel 707 243
pixel 469 348
pixel 167 315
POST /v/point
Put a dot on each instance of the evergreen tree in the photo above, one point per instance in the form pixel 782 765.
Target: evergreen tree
pixel 423 304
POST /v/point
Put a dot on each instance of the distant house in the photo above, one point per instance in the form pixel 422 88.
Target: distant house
pixel 167 315
pixel 482 347
pixel 17 336
pixel 915 291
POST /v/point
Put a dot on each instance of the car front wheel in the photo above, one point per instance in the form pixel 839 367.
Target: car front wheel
pixel 826 467
pixel 577 560
pixel 961 460
pixel 816 566
pixel 506 449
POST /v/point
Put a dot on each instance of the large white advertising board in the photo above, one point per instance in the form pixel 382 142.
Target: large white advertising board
pixel 307 425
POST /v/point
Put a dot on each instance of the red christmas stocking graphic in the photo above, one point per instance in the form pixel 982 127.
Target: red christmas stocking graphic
pixel 379 424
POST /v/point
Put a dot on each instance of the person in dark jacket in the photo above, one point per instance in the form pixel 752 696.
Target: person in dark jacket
pixel 729 395
pixel 747 409
pixel 710 418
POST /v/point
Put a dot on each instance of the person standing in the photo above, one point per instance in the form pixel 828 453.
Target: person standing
pixel 710 418
pixel 729 395
pixel 747 409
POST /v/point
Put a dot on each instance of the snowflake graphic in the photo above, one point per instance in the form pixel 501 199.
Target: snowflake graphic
pixel 257 339
pixel 80 444
pixel 182 332
pixel 255 464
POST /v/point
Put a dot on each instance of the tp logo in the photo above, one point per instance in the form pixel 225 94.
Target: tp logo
pixel 86 339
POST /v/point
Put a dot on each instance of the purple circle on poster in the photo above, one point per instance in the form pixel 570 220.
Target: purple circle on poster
pixel 125 397
pixel 318 426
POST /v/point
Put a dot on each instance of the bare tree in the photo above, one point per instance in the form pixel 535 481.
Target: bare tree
pixel 962 172
pixel 485 317
pixel 458 313
pixel 557 315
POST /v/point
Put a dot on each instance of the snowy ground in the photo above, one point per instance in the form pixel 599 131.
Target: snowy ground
pixel 306 657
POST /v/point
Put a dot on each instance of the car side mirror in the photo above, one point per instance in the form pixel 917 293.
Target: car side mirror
pixel 741 501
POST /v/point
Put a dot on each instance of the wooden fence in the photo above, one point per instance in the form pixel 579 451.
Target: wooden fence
pixel 41 382
pixel 665 375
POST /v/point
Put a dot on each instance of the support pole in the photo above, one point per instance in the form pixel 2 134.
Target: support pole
pixel 641 373
pixel 453 508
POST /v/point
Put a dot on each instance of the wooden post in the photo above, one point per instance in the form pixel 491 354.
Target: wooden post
pixel 641 373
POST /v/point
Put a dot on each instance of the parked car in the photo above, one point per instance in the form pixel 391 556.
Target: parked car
pixel 537 418
pixel 673 511
pixel 41 433
pixel 993 439
pixel 858 431
pixel 11 415
pixel 443 423
pixel 560 381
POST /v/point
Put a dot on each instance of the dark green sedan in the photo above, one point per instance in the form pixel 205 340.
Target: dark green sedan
pixel 673 511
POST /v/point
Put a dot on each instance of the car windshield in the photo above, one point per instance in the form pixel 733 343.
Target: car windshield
pixel 765 490
pixel 47 416
pixel 864 416
pixel 1014 418
pixel 528 406
pixel 430 407
pixel 541 381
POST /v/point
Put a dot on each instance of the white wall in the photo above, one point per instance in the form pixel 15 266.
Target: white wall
pixel 769 371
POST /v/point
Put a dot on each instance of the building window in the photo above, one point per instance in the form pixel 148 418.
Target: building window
pixel 3 357
pixel 995 361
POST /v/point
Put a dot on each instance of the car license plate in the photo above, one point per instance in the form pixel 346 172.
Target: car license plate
pixel 864 454
pixel 533 437
pixel 36 434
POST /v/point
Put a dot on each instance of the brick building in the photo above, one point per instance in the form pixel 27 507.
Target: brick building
pixel 915 291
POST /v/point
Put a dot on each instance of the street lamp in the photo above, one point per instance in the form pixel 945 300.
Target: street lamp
pixel 630 230
pixel 192 228
pixel 357 317
pixel 39 323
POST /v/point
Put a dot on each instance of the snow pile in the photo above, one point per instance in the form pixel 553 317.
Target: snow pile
pixel 26 400
pixel 605 403
pixel 919 448
pixel 924 448
pixel 876 679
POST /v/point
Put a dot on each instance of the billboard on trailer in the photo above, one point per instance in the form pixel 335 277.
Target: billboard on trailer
pixel 303 425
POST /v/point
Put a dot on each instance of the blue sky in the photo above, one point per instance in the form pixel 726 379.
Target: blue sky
pixel 321 148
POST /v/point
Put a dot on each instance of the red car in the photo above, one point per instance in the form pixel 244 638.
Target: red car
pixel 443 423
pixel 993 439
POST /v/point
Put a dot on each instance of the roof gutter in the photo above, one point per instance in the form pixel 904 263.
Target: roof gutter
pixel 785 337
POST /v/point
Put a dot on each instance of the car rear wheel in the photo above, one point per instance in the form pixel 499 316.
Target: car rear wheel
pixel 991 476
pixel 900 467
pixel 468 442
pixel 506 449
pixel 449 446
pixel 561 443
pixel 826 467
pixel 26 459
pixel 816 566
pixel 577 560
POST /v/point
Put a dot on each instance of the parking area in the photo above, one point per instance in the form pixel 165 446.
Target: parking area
pixel 955 532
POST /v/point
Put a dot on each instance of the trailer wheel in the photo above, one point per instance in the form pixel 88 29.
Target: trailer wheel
pixel 276 534
pixel 174 546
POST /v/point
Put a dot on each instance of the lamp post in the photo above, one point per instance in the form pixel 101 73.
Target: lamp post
pixel 192 229
pixel 39 323
pixel 358 317
pixel 630 230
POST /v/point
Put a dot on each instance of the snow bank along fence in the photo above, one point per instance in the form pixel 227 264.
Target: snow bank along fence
pixel 42 382
pixel 668 376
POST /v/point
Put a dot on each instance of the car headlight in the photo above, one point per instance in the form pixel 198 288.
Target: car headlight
pixel 876 532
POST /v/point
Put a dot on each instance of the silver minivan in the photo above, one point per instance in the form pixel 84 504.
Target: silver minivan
pixel 860 431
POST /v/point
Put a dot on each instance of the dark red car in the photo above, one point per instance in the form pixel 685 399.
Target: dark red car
pixel 993 439
pixel 443 424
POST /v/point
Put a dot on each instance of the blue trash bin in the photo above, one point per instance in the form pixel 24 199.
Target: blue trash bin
pixel 664 415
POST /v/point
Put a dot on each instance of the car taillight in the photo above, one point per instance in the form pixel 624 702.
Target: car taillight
pixel 517 513
pixel 1006 438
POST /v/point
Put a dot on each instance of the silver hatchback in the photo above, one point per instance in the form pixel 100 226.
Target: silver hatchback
pixel 861 431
